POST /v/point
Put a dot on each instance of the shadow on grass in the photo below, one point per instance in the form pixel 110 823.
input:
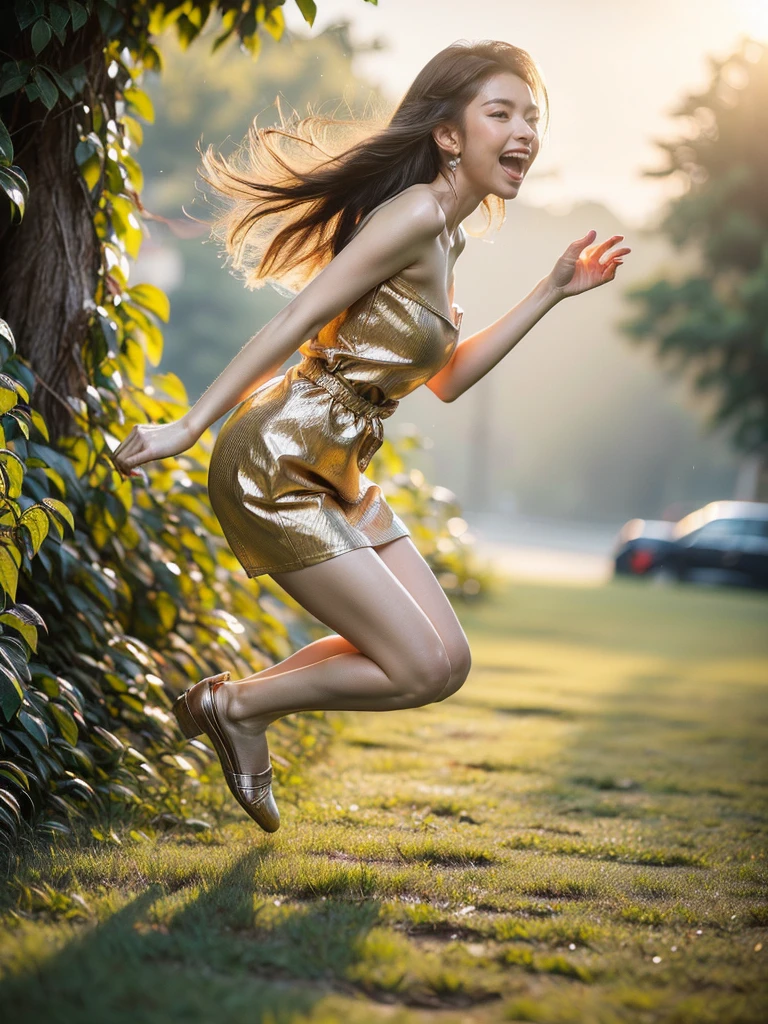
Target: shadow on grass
pixel 217 957
pixel 522 710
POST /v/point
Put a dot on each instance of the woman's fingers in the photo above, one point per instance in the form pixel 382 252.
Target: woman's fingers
pixel 120 456
pixel 133 445
pixel 599 250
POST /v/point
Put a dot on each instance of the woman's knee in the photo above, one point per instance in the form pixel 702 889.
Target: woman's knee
pixel 461 662
pixel 422 677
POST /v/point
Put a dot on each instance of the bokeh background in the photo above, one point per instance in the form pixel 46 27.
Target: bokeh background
pixel 579 428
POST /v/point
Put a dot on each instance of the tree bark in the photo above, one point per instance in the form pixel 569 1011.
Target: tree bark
pixel 49 261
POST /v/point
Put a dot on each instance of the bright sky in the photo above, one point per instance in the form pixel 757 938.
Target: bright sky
pixel 614 70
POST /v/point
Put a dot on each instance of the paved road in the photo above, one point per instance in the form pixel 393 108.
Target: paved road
pixel 555 550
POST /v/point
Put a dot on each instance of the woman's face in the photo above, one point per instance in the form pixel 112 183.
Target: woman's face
pixel 503 117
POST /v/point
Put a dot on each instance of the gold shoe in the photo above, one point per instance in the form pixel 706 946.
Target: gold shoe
pixel 196 713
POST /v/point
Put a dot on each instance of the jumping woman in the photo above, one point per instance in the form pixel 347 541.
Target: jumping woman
pixel 369 260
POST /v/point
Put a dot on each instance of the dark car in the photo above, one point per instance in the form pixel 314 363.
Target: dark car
pixel 723 542
pixel 641 545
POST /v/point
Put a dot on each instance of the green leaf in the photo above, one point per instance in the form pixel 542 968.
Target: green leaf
pixel 111 21
pixel 35 726
pixel 11 771
pixel 11 803
pixel 133 168
pixel 59 17
pixel 36 521
pixel 274 23
pixel 11 696
pixel 79 787
pixel 6 146
pixel 14 385
pixel 220 40
pixel 139 102
pixel 22 617
pixel 66 723
pixel 61 508
pixel 79 14
pixel 9 570
pixel 12 84
pixel 41 35
pixel 14 183
pixel 49 94
pixel 308 10
pixel 6 334
pixel 27 11
pixel 152 298
pixel 89 155
pixel 13 471
pixel 63 83
pixel 54 826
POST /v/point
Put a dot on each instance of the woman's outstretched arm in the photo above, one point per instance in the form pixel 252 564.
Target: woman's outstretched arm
pixel 395 237
pixel 392 239
pixel 578 269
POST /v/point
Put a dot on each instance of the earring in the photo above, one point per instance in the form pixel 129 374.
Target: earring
pixel 453 163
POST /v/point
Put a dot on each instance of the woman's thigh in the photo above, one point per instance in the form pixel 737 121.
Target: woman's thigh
pixel 402 557
pixel 359 597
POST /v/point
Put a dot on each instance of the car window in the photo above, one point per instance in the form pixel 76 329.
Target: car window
pixel 755 527
pixel 720 531
pixel 716 530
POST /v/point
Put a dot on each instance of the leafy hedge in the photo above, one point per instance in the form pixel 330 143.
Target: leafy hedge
pixel 115 598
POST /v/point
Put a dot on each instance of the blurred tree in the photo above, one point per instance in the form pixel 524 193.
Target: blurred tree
pixel 713 324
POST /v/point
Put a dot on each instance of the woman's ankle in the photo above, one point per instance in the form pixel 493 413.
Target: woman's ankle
pixel 236 708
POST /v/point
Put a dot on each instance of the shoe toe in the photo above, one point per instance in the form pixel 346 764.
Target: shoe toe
pixel 257 801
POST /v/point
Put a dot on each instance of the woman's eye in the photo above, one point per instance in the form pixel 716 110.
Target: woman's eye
pixel 531 120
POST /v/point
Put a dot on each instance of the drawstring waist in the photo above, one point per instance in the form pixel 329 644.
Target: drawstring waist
pixel 340 388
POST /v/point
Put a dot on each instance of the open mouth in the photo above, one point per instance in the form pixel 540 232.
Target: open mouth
pixel 514 167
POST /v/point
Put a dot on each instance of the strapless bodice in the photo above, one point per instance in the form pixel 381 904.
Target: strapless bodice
pixel 388 342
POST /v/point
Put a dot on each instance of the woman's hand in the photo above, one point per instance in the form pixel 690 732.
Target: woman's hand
pixel 148 441
pixel 580 268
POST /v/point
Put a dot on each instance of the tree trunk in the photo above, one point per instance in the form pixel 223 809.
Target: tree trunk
pixel 752 479
pixel 49 261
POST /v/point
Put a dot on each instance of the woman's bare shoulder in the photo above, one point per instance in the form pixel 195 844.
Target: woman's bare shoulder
pixel 416 205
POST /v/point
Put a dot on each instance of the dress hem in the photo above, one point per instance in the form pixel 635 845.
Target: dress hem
pixel 260 570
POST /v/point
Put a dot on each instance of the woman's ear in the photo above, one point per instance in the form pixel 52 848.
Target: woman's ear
pixel 446 139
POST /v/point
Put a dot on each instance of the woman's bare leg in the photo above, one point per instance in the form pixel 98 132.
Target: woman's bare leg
pixel 318 650
pixel 404 559
pixel 398 660
pixel 406 562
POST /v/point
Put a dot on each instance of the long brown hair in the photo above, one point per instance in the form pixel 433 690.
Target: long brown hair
pixel 304 163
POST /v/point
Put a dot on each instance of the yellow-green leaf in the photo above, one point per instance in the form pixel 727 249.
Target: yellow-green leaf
pixel 140 103
pixel 171 386
pixel 66 723
pixel 9 570
pixel 36 520
pixel 14 470
pixel 40 423
pixel 8 399
pixel 152 298
pixel 61 508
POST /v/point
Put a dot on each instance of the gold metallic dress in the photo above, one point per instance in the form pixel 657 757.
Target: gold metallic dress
pixel 286 478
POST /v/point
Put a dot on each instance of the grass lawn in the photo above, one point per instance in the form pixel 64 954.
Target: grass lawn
pixel 578 835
